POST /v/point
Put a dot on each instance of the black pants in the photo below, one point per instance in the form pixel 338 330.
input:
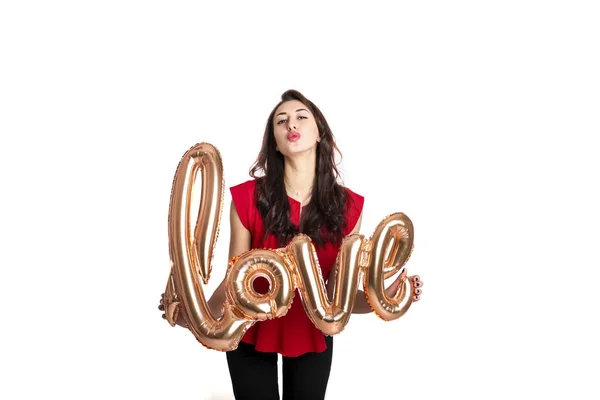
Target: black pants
pixel 254 374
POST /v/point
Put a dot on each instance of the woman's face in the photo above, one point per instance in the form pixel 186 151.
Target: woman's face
pixel 295 128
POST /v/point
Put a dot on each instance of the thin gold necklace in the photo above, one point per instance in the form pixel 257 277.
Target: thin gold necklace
pixel 297 192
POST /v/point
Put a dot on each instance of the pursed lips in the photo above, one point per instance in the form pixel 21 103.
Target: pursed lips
pixel 293 136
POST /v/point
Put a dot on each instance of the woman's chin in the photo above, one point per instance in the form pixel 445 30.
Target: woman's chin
pixel 299 149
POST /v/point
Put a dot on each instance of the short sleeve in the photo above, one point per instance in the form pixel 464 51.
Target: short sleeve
pixel 354 208
pixel 242 196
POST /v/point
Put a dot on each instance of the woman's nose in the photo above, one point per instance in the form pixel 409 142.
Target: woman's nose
pixel 291 126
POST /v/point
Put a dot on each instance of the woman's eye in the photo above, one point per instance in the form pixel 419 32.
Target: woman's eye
pixel 281 121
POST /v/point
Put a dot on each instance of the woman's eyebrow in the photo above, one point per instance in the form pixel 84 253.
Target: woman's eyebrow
pixel 300 109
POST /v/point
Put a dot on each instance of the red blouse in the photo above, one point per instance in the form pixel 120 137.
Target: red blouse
pixel 293 334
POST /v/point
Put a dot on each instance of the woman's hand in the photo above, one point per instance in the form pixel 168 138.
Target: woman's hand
pixel 180 320
pixel 415 281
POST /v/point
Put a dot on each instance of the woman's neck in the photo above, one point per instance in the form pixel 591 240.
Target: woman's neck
pixel 299 174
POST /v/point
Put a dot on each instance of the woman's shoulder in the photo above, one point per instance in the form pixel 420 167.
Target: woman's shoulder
pixel 354 199
pixel 354 204
pixel 243 193
pixel 245 189
pixel 242 196
pixel 351 192
pixel 354 208
pixel 248 185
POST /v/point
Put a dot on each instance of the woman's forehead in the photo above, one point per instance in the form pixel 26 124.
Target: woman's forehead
pixel 291 106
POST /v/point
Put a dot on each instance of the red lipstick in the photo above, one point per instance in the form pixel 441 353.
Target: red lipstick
pixel 293 136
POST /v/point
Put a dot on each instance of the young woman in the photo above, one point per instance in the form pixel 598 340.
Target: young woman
pixel 294 190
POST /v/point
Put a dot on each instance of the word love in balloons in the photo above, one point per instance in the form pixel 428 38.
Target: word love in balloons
pixel 296 266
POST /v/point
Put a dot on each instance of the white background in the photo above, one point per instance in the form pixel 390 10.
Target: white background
pixel 478 120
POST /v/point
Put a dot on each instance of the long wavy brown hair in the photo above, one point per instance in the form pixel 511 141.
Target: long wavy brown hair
pixel 323 219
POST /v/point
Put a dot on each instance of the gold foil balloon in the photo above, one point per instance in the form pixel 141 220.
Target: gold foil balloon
pixel 268 264
pixel 389 250
pixel 295 266
pixel 192 253
pixel 329 316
